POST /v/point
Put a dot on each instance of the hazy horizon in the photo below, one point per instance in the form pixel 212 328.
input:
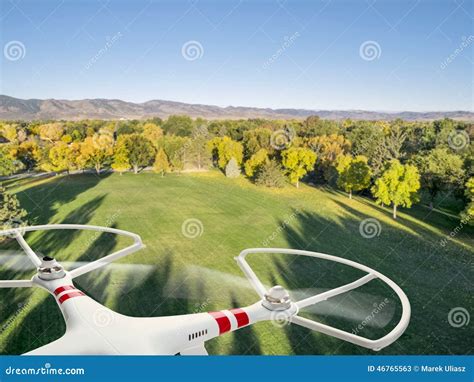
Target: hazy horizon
pixel 237 106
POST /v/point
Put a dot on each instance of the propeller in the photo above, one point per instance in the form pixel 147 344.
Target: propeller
pixel 371 274
pixel 354 306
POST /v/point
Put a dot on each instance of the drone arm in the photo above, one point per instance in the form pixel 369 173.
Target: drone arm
pixel 15 283
pixel 107 259
pixel 31 254
pixel 251 276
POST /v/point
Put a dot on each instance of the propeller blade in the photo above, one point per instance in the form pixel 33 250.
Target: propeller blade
pixel 352 306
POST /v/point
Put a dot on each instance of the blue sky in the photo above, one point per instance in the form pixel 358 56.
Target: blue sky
pixel 373 55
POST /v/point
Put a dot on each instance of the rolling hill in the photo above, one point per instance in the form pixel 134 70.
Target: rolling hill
pixel 35 109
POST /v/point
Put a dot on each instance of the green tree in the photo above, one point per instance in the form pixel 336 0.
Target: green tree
pixel 121 162
pixel 29 153
pixel 232 169
pixel 161 165
pixel 152 132
pixel 397 186
pixel 327 149
pixel 256 160
pixel 440 170
pixel 298 161
pixel 354 175
pixel 9 132
pixel 11 213
pixel 7 163
pixel 198 153
pixel 51 132
pixel 224 149
pixel 140 151
pixel 270 175
pixel 97 151
pixel 180 125
pixel 255 140
pixel 60 158
pixel 176 148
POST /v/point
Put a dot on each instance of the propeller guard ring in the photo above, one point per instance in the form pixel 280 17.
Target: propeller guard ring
pixel 326 329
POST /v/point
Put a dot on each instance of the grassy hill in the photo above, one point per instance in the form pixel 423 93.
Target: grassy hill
pixel 177 274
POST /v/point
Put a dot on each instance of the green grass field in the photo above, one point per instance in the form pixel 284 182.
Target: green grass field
pixel 177 275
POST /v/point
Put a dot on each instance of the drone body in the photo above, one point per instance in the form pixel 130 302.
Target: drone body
pixel 92 328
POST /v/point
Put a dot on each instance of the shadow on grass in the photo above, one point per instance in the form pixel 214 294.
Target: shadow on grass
pixel 434 279
pixel 43 200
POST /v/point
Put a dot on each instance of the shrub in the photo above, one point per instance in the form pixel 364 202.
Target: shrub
pixel 232 169
pixel 270 175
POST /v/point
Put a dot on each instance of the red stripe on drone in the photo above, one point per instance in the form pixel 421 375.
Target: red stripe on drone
pixel 69 295
pixel 63 288
pixel 241 317
pixel 222 320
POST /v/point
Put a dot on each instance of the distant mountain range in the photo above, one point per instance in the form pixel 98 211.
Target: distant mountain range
pixel 36 109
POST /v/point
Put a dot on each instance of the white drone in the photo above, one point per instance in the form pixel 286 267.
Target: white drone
pixel 184 334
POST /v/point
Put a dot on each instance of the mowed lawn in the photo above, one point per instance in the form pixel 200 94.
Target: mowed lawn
pixel 178 273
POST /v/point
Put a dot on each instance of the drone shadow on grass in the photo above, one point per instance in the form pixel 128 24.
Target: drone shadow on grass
pixel 147 300
pixel 44 199
pixel 434 279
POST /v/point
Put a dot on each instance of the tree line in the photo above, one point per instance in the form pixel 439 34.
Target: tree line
pixel 397 162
